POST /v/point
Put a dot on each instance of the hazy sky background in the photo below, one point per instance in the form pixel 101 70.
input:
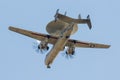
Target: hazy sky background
pixel 19 61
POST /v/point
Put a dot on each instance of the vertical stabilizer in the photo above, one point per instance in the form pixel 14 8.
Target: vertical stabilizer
pixel 89 22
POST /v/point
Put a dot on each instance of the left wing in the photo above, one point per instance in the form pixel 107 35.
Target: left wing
pixel 86 44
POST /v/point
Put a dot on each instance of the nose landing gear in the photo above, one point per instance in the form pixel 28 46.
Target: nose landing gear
pixel 48 66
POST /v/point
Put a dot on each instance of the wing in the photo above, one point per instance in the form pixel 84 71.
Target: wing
pixel 53 39
pixel 35 35
pixel 86 44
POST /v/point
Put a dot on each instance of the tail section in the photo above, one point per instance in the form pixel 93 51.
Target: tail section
pixel 84 21
pixel 69 19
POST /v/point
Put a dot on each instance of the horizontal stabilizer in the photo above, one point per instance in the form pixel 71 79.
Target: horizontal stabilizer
pixel 79 21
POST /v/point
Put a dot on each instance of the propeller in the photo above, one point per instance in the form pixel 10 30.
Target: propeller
pixel 67 55
pixel 36 46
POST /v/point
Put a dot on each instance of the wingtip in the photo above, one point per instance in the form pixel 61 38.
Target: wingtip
pixel 9 27
pixel 109 46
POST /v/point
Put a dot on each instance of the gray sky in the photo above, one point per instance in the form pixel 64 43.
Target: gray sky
pixel 19 61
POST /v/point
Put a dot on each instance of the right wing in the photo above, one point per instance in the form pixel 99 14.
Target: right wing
pixel 86 44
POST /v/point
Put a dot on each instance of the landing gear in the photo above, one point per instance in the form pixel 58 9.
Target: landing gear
pixel 47 48
pixel 48 66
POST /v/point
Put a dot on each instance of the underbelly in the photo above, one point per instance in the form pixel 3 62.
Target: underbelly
pixel 55 50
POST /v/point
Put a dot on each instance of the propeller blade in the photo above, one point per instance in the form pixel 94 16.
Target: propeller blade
pixel 68 56
pixel 35 46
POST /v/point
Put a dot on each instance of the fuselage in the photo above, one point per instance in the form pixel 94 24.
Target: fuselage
pixel 60 44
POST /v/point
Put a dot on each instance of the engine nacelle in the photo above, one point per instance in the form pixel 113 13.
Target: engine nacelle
pixel 70 51
pixel 43 45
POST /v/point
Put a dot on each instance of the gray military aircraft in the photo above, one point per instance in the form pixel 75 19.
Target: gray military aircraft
pixel 60 31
